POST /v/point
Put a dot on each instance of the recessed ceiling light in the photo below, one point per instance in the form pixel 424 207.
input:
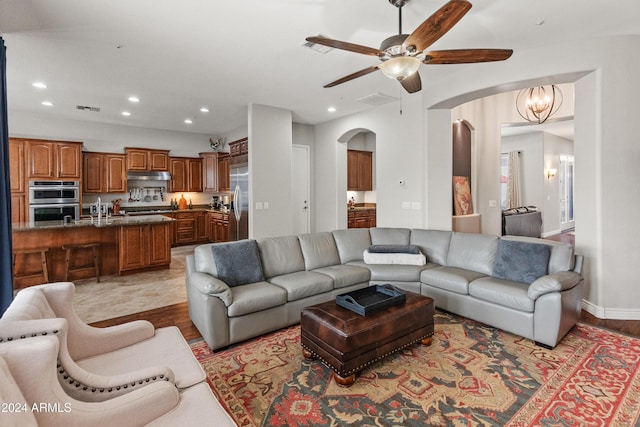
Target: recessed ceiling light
pixel 188 121
pixel 331 109
pixel 125 113
pixel 204 109
pixel 134 99
pixel 47 103
pixel 39 85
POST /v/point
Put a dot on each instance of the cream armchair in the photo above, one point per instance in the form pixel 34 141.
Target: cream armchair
pixel 29 382
pixel 99 363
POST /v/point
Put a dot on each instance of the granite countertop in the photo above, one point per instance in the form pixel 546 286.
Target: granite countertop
pixel 362 208
pixel 114 221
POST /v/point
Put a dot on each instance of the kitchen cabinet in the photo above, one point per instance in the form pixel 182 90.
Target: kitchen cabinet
pixel 186 174
pixel 223 173
pixel 239 147
pixel 359 170
pixel 104 173
pixel 53 160
pixel 17 181
pixel 202 226
pixel 147 159
pixel 143 246
pixel 210 172
pixel 190 227
pixel 361 218
pixel 219 227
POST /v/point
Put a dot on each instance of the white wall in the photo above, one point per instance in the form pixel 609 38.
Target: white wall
pixel 270 139
pixel 531 148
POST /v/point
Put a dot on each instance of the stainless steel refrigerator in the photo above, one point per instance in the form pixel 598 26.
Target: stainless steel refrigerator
pixel 239 184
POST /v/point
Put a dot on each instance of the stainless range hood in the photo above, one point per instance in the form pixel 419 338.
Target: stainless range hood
pixel 148 176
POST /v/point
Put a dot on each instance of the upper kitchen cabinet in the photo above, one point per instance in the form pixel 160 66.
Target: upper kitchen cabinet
pixel 210 171
pixel 147 159
pixel 186 174
pixel 53 159
pixel 223 172
pixel 359 170
pixel 104 173
pixel 239 147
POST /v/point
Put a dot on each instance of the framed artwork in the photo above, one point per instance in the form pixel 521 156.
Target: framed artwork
pixel 462 203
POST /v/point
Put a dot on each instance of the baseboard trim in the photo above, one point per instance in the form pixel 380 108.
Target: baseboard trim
pixel 611 313
pixel 550 233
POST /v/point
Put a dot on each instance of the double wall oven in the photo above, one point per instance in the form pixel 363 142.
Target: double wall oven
pixel 53 200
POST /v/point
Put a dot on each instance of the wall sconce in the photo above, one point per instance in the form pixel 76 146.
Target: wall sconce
pixel 551 173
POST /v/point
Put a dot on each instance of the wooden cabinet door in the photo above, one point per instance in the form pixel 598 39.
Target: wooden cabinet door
pixel 68 161
pixel 93 177
pixel 209 171
pixel 365 171
pixel 223 174
pixel 351 219
pixel 178 168
pixel 40 160
pixel 18 207
pixel 16 166
pixel 158 160
pixel 352 171
pixel 137 159
pixel 222 229
pixel 159 244
pixel 194 169
pixel 212 226
pixel 133 247
pixel 201 221
pixel 115 173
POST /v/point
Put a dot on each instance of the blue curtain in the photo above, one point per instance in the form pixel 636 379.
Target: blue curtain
pixel 6 263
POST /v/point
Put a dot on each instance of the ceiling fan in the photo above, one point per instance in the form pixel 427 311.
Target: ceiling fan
pixel 402 54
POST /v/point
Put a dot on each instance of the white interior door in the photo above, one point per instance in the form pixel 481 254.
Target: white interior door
pixel 301 170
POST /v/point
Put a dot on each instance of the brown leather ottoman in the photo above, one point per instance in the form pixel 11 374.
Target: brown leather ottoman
pixel 347 342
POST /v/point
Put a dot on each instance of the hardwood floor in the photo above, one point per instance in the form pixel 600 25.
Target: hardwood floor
pixel 178 314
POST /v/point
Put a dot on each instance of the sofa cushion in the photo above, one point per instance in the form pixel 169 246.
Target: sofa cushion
pixel 280 255
pixel 475 252
pixel 345 275
pixel 502 292
pixel 390 236
pixel 434 244
pixel 238 263
pixel 561 257
pixel 255 297
pixel 450 278
pixel 351 243
pixel 393 272
pixel 319 250
pixel 520 261
pixel 303 284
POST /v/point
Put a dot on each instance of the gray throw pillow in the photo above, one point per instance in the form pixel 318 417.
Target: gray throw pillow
pixel 238 263
pixel 521 261
pixel 394 249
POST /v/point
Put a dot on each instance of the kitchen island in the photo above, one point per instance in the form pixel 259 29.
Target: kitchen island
pixel 128 244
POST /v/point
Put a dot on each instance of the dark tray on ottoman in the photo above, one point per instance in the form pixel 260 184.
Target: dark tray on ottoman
pixel 348 342
pixel 366 301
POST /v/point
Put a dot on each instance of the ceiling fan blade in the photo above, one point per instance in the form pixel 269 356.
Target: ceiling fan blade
pixel 351 47
pixel 466 56
pixel 412 83
pixel 352 76
pixel 437 25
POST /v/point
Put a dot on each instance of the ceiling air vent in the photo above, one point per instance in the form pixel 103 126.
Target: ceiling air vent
pixel 87 108
pixel 377 98
pixel 317 47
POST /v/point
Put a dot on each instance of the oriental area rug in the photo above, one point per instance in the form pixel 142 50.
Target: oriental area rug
pixel 471 375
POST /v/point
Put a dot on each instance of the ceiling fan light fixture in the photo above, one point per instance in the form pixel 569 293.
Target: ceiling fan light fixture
pixel 400 67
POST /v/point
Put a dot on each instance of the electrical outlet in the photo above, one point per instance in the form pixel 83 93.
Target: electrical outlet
pixel 406 205
pixel 258 206
pixel 493 203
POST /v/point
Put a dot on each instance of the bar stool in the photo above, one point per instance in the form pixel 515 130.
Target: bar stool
pixel 42 272
pixel 95 247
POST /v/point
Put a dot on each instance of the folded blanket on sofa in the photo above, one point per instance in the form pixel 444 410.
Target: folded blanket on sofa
pixel 394 249
pixel 394 258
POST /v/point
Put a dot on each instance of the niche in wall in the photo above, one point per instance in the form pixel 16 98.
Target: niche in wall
pixel 462 200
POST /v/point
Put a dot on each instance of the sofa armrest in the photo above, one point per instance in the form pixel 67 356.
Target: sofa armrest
pixel 556 282
pixel 209 285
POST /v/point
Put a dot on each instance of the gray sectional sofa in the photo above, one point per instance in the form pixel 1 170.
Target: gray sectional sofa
pixel 527 286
